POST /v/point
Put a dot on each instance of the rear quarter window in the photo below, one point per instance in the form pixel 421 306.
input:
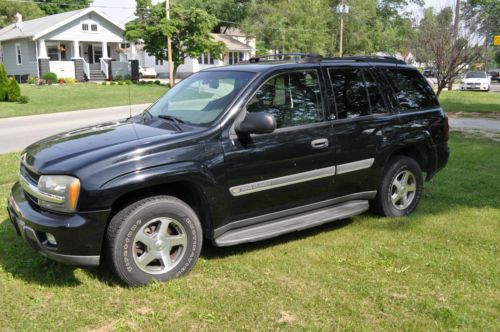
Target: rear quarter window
pixel 411 89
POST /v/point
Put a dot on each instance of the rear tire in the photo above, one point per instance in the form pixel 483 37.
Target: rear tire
pixel 156 238
pixel 400 189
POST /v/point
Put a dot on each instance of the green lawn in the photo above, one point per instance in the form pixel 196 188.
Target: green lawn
pixel 470 101
pixel 436 270
pixel 72 97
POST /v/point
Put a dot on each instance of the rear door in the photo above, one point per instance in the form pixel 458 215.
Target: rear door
pixel 292 166
pixel 363 127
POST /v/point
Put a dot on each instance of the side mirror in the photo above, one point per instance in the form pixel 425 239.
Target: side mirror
pixel 256 123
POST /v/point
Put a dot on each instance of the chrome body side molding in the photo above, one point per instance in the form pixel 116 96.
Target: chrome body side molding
pixel 355 166
pixel 282 181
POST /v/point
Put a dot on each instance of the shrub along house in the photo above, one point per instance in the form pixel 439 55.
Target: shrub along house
pixel 77 44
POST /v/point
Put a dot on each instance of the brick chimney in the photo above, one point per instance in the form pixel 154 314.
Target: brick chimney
pixel 19 20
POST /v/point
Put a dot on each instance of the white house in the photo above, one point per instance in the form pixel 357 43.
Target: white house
pixel 88 44
pixel 70 44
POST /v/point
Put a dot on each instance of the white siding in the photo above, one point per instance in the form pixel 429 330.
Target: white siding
pixel 29 65
pixel 73 31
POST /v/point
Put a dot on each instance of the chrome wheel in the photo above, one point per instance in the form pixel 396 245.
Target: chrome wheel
pixel 159 245
pixel 403 190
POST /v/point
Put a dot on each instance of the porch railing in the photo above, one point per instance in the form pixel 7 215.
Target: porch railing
pixel 104 68
pixel 86 69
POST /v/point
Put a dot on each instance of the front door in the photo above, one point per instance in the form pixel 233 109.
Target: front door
pixel 292 166
pixel 97 54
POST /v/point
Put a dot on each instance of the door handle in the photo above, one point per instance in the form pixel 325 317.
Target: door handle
pixel 319 143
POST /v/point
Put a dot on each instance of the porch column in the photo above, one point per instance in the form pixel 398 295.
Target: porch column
pixel 42 49
pixel 105 50
pixel 76 49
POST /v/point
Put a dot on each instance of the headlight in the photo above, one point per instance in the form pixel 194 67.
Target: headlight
pixel 61 192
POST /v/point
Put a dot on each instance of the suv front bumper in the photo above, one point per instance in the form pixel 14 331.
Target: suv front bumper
pixel 79 236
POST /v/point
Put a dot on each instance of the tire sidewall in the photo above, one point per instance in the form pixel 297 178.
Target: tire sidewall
pixel 401 164
pixel 123 247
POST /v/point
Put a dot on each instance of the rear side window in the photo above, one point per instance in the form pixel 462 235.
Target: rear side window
pixel 350 93
pixel 411 89
pixel 293 98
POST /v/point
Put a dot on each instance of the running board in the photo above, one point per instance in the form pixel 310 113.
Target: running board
pixel 289 224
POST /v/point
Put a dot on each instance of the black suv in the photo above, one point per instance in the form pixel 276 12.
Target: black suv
pixel 232 154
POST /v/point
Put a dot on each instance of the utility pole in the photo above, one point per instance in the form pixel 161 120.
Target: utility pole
pixel 171 78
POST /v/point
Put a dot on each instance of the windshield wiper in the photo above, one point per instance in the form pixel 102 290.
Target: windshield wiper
pixel 174 119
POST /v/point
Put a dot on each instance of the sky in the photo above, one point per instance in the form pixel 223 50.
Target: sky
pixel 123 10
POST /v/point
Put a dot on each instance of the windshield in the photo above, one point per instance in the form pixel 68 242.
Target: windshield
pixel 201 97
pixel 475 74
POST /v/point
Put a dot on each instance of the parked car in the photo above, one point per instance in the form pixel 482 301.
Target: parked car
pixel 494 75
pixel 232 155
pixel 475 80
pixel 430 72
pixel 147 72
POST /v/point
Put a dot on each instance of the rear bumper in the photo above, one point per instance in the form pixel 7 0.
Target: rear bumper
pixel 79 236
pixel 442 152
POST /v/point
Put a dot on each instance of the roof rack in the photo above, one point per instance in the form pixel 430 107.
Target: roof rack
pixel 296 57
pixel 369 58
pixel 312 58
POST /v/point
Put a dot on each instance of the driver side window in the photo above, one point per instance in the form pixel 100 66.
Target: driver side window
pixel 293 99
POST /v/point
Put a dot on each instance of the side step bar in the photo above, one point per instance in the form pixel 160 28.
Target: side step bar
pixel 289 224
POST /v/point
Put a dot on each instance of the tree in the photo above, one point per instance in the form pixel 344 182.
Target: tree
pixel 4 81
pixel 290 25
pixel 51 7
pixel 438 43
pixel 8 9
pixel 482 17
pixel 13 90
pixel 229 13
pixel 189 29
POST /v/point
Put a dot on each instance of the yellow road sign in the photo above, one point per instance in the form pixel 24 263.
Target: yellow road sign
pixel 496 40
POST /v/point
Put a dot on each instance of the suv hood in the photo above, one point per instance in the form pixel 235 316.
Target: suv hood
pixel 476 80
pixel 85 145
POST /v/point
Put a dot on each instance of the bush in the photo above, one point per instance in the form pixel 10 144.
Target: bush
pixel 127 77
pixel 62 81
pixel 4 81
pixel 142 82
pixel 112 83
pixel 157 82
pixel 120 82
pixel 13 90
pixel 31 80
pixel 150 82
pixel 23 100
pixel 128 82
pixel 50 77
pixel 118 77
pixel 69 80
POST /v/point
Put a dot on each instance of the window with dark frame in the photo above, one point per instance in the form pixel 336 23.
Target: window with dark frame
pixel 85 27
pixel 293 98
pixel 93 27
pixel 411 89
pixel 19 55
pixel 350 92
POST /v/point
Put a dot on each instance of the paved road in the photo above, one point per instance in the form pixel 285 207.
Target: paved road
pixel 481 124
pixel 19 132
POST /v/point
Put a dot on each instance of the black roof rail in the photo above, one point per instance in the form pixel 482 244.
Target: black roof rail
pixel 296 57
pixel 369 58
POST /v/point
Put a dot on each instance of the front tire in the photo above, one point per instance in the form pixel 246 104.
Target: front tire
pixel 156 238
pixel 400 189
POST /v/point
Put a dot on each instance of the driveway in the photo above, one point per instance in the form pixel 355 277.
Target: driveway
pixel 19 132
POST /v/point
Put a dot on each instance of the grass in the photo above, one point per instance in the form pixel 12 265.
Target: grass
pixel 470 102
pixel 438 269
pixel 72 97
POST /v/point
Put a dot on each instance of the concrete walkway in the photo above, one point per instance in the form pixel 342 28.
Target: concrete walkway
pixel 18 132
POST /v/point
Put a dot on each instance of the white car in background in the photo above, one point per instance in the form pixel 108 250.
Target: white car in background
pixel 476 80
pixel 147 72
